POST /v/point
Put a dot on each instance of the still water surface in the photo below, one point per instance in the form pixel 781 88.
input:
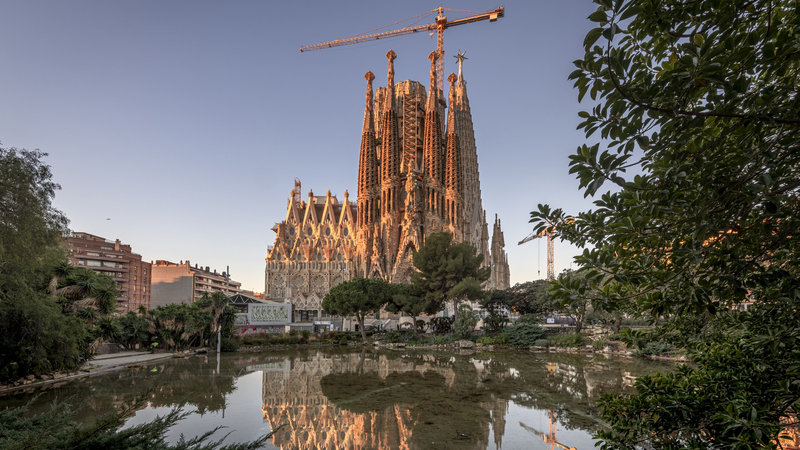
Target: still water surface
pixel 370 399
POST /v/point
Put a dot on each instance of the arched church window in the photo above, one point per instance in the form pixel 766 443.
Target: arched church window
pixel 328 231
pixel 291 231
pixel 346 231
pixel 310 231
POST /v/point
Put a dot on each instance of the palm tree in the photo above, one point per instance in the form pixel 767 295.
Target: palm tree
pixel 62 270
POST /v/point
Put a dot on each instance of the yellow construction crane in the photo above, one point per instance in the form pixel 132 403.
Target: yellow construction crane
pixel 546 233
pixel 549 438
pixel 439 26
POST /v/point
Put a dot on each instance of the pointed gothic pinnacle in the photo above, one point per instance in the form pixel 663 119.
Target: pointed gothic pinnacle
pixel 460 57
pixel 434 90
pixel 451 115
pixel 369 123
pixel 390 78
pixel 310 193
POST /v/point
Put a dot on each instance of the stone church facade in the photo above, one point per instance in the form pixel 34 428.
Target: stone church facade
pixel 417 175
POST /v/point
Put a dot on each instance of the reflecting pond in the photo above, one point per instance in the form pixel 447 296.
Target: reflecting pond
pixel 370 399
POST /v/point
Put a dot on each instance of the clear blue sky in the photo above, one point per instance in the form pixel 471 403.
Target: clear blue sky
pixel 186 122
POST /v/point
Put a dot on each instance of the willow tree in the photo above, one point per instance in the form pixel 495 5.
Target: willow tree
pixel 695 128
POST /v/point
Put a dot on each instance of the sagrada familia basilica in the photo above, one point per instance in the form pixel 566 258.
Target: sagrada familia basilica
pixel 416 176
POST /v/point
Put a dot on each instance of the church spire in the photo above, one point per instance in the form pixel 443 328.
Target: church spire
pixel 391 56
pixel 432 145
pixel 369 121
pixel 390 146
pixel 454 182
pixel 368 183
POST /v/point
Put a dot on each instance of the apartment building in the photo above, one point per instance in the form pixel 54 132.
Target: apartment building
pixel 183 283
pixel 116 260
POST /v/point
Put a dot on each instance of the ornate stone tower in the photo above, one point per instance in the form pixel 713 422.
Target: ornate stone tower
pixel 390 183
pixel 454 194
pixel 500 276
pixel 433 160
pixel 475 227
pixel 369 187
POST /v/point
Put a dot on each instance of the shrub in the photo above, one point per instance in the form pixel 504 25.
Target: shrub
pixel 598 344
pixel 540 343
pixel 565 340
pixel 495 322
pixel 466 319
pixel 306 334
pixel 653 348
pixel 529 318
pixel 343 340
pixel 393 337
pixel 228 345
pixel 523 335
pixel 485 340
pixel 442 324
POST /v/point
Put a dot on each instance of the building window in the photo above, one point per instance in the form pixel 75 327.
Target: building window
pixel 92 254
pixel 106 248
pixel 109 264
pixel 93 263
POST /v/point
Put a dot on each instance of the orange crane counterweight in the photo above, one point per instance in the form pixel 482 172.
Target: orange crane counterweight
pixel 439 26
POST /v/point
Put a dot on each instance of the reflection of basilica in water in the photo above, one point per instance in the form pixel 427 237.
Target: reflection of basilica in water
pixel 293 396
pixel 383 401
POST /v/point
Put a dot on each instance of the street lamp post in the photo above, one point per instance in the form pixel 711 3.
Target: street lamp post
pixel 219 325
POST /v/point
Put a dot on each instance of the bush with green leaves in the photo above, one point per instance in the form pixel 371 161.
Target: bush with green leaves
pixel 495 322
pixel 228 345
pixel 541 343
pixel 653 348
pixel 529 318
pixel 466 321
pixel 565 340
pixel 442 324
pixel 523 335
pixel 694 124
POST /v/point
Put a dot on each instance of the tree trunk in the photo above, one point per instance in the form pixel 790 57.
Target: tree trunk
pixel 360 319
pixel 455 312
pixel 617 324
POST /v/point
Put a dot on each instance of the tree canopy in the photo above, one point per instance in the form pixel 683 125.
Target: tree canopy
pixel 357 297
pixel 447 272
pixel 697 120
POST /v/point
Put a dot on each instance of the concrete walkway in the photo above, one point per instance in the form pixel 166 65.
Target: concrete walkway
pixel 123 359
pixel 99 364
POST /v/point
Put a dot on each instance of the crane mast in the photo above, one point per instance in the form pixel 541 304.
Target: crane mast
pixel 439 26
pixel 548 234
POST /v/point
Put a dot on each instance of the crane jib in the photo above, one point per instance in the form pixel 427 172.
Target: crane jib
pixel 439 26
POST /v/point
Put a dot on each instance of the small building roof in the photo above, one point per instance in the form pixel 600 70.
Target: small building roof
pixel 242 299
